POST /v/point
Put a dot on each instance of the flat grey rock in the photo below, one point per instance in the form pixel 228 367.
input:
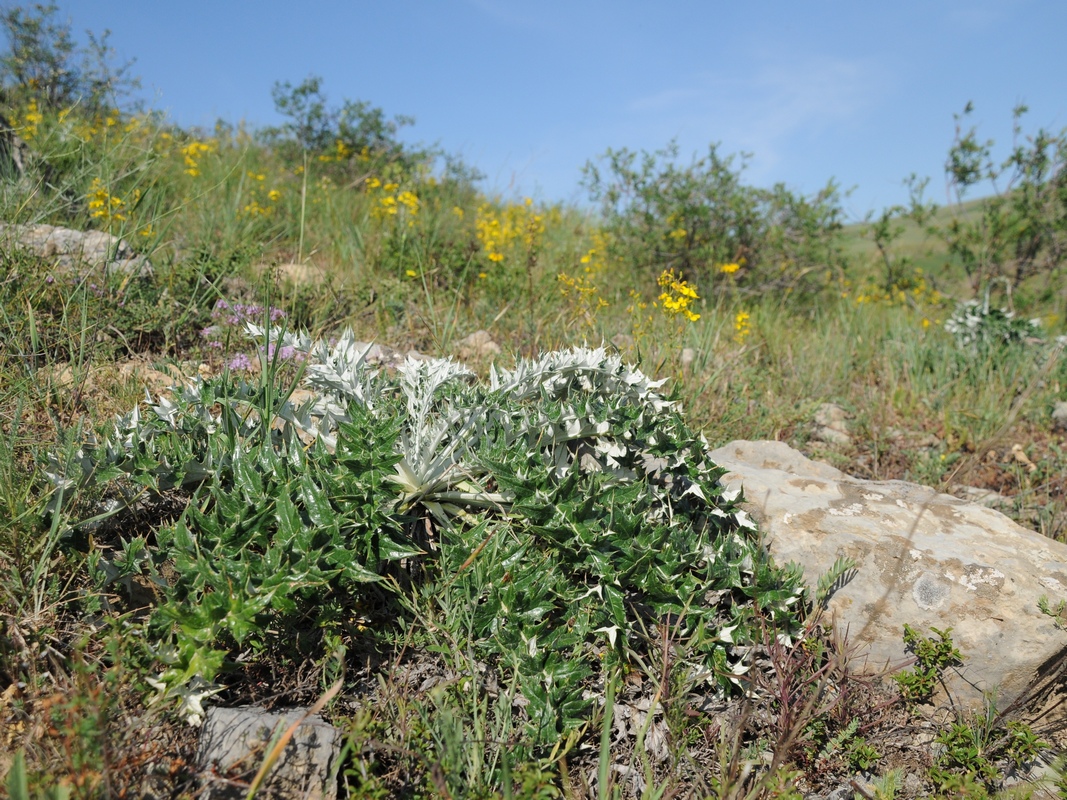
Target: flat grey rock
pixel 73 249
pixel 235 741
pixel 923 558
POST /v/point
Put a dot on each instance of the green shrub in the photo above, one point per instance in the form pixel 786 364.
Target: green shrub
pixel 1021 231
pixel 44 65
pixel 352 141
pixel 703 222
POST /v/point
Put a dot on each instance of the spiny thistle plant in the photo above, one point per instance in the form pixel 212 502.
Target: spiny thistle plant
pixel 566 501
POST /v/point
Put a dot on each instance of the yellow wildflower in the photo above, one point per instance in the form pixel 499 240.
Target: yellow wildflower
pixel 498 231
pixel 410 200
pixel 677 296
pixel 741 326
pixel 584 296
pixel 33 118
pixel 103 205
pixel 192 152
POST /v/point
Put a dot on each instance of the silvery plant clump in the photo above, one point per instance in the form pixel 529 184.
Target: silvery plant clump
pixel 564 501
pixel 975 324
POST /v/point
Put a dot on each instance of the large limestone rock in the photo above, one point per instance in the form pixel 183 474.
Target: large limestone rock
pixel 924 558
pixel 73 250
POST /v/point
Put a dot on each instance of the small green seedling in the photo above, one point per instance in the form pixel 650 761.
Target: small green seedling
pixel 1058 612
pixel 932 658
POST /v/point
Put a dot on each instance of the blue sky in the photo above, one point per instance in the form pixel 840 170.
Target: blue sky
pixel 861 92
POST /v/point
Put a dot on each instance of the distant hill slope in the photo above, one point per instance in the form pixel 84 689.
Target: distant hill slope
pixel 923 249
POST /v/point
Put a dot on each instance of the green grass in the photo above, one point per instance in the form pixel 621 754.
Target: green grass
pixel 82 606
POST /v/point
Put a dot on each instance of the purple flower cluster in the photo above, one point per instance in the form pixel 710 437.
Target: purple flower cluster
pixel 228 321
pixel 241 361
pixel 234 317
pixel 285 354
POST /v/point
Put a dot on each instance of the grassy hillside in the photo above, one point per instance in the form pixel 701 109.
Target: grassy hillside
pixel 919 245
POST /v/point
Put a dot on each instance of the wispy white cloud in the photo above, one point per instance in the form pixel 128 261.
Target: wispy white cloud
pixel 766 112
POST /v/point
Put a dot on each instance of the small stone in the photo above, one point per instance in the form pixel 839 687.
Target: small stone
pixel 235 741
pixel 916 440
pixel 296 274
pixel 842 793
pixel 157 381
pixel 1059 416
pixel 831 425
pixel 478 344
pixel 1019 454
pixel 912 785
pixel 831 415
pixel 71 249
pixel 415 355
pixel 64 376
pixel 832 436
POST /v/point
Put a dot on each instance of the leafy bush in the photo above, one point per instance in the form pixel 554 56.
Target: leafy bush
pixel 703 222
pixel 1021 230
pixel 567 502
pixel 44 65
pixel 354 138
